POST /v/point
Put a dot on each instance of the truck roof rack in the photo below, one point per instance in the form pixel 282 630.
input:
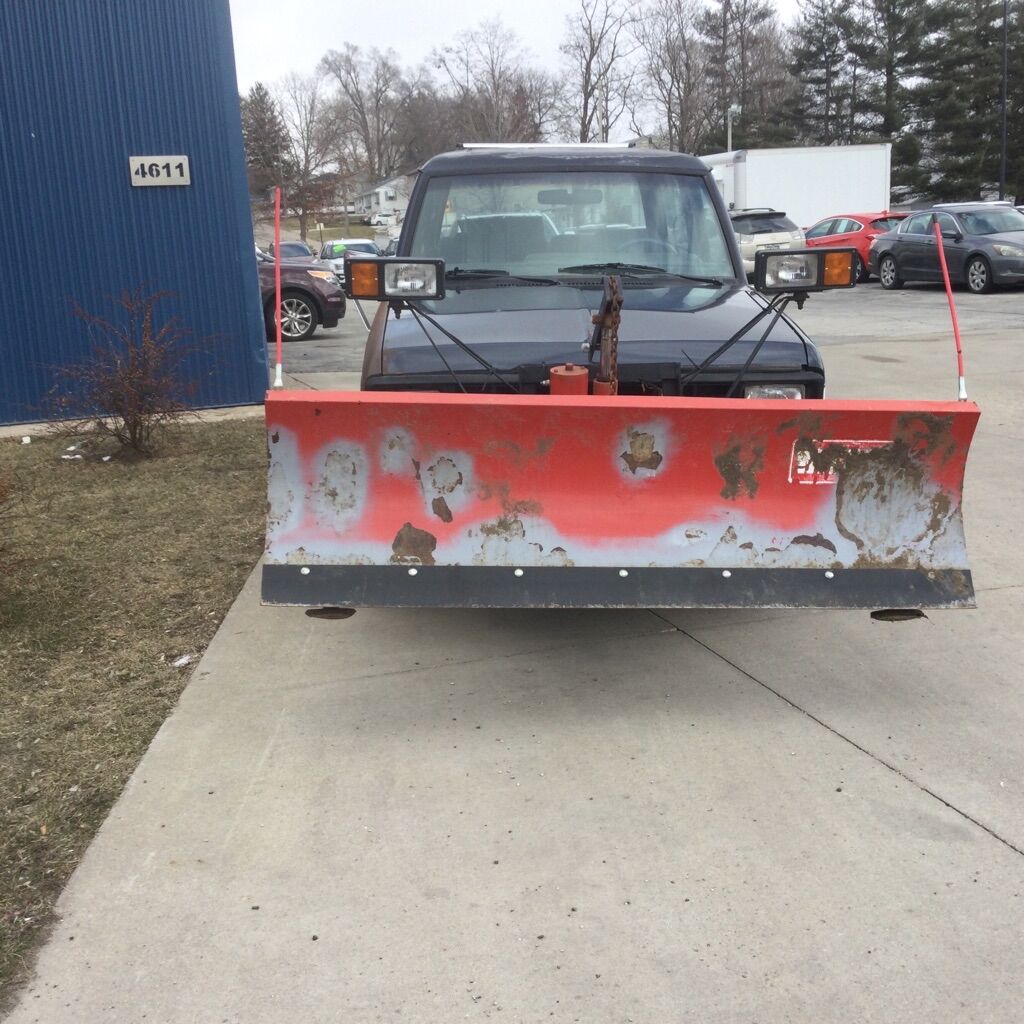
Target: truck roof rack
pixel 547 145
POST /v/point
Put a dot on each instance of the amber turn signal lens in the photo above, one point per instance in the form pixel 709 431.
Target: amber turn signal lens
pixel 838 269
pixel 365 280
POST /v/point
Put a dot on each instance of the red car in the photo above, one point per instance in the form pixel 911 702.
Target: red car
pixel 853 229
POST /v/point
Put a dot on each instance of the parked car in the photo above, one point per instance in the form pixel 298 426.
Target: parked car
pixel 983 244
pixel 310 297
pixel 333 253
pixel 380 218
pixel 293 251
pixel 763 228
pixel 853 229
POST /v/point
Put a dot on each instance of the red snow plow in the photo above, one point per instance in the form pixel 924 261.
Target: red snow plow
pixel 542 501
pixel 512 448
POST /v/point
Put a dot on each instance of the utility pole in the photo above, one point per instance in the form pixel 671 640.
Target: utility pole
pixel 734 111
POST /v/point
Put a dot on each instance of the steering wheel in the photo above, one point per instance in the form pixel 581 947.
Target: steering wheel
pixel 650 243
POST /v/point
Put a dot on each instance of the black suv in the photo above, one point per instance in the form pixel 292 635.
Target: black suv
pixel 983 244
pixel 529 237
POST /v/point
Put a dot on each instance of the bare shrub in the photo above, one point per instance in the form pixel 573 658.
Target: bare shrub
pixel 134 384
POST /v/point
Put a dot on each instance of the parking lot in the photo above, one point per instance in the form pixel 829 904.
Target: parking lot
pixel 601 816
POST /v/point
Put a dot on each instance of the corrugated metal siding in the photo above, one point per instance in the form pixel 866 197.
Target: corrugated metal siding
pixel 84 84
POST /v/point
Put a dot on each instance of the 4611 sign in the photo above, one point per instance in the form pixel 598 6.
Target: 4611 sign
pixel 159 170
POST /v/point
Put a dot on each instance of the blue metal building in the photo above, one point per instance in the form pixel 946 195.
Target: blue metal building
pixel 85 87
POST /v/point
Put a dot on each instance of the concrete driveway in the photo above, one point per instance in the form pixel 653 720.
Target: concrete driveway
pixel 594 816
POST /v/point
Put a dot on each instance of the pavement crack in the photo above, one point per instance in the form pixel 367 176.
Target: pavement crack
pixel 993 590
pixel 895 769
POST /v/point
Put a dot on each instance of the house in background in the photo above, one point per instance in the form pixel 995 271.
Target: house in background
pixel 385 201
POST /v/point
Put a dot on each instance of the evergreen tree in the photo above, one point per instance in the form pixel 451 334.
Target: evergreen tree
pixel 1015 104
pixel 821 62
pixel 266 141
pixel 958 97
pixel 885 36
pixel 740 38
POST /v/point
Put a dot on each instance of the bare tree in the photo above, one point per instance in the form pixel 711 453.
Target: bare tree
pixel 597 48
pixel 373 91
pixel 313 129
pixel 675 74
pixel 500 97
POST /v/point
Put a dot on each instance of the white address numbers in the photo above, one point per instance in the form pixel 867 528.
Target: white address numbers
pixel 159 170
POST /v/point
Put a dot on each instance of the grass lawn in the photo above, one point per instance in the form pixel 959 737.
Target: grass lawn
pixel 110 571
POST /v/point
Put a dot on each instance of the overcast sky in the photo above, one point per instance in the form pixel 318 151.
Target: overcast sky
pixel 273 38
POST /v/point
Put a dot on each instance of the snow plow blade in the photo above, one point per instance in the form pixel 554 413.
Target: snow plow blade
pixel 457 500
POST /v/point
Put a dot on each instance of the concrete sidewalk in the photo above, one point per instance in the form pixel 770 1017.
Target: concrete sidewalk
pixel 606 816
pixel 568 816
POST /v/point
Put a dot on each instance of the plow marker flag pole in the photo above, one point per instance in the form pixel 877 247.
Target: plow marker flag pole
pixel 463 500
pixel 961 384
pixel 279 367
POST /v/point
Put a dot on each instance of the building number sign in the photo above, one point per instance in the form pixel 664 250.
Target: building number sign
pixel 159 170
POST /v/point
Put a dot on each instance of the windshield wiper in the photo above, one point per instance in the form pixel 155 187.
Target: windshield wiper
pixel 634 270
pixel 487 274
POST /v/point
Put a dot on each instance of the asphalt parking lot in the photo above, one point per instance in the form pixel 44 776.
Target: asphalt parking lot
pixel 707 816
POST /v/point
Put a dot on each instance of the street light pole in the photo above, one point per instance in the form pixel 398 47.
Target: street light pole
pixel 733 111
pixel 1002 167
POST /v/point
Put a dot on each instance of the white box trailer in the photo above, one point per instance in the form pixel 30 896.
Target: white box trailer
pixel 806 182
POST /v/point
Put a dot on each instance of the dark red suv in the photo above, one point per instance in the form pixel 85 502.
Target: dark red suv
pixel 311 297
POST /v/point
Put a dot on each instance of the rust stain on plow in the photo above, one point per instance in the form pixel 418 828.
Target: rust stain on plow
pixel 508 526
pixel 806 423
pixel 444 475
pixel 886 504
pixel 516 454
pixel 642 453
pixel 412 546
pixel 441 510
pixel 738 467
pixel 927 433
pixel 817 541
pixel 510 508
pixel 338 486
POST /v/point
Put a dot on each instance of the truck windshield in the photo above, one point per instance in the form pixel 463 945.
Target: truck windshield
pixel 533 225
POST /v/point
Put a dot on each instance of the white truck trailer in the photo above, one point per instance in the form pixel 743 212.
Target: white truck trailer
pixel 807 182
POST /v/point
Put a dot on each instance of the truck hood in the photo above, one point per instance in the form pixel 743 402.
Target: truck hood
pixel 656 332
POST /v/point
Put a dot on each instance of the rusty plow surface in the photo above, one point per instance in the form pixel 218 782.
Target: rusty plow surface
pixel 538 501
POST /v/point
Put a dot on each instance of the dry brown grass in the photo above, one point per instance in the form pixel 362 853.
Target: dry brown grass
pixel 118 569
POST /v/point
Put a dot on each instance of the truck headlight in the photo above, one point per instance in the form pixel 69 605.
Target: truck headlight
pixel 774 391
pixel 803 270
pixel 415 279
pixel 384 278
